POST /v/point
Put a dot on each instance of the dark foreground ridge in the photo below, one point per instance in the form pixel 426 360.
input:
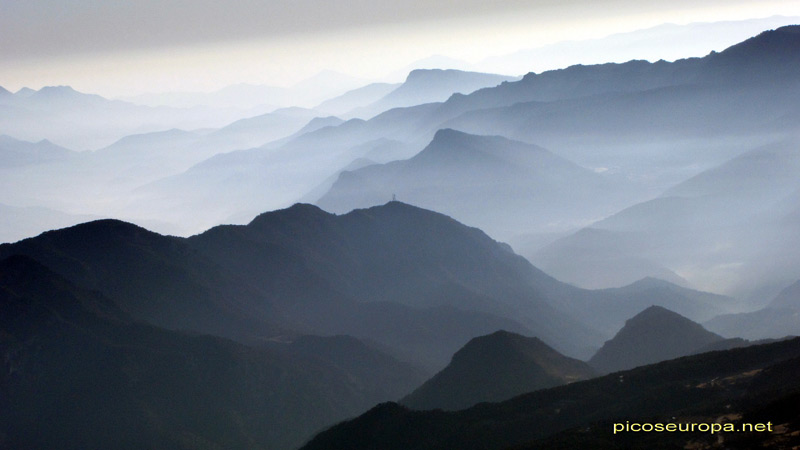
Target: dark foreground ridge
pixel 758 382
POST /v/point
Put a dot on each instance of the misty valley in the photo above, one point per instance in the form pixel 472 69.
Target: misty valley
pixel 463 260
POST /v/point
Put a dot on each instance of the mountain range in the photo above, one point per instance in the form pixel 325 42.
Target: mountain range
pixel 657 205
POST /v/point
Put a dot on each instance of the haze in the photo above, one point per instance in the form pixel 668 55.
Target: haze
pixel 128 48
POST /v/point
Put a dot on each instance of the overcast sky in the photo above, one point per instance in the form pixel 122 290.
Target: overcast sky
pixel 126 46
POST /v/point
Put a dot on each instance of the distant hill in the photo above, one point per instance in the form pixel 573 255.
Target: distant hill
pixel 495 368
pixel 79 373
pixel 759 383
pixel 655 334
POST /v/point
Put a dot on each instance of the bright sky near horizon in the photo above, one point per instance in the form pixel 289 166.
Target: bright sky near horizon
pixel 127 47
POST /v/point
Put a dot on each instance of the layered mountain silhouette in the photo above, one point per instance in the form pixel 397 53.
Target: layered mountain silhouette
pixel 655 334
pixel 494 368
pixel 618 119
pixel 758 382
pixel 413 280
pixel 259 335
pixel 79 373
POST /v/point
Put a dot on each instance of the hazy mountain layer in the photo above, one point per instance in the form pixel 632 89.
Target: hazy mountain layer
pixel 725 229
pixel 504 187
pixel 650 126
pixel 86 121
pixel 429 86
pixel 781 317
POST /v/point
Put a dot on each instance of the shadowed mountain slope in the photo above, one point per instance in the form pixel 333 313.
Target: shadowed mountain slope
pixel 156 279
pixel 79 373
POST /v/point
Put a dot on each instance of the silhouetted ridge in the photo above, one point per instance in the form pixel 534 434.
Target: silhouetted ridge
pixel 655 334
pixel 496 367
